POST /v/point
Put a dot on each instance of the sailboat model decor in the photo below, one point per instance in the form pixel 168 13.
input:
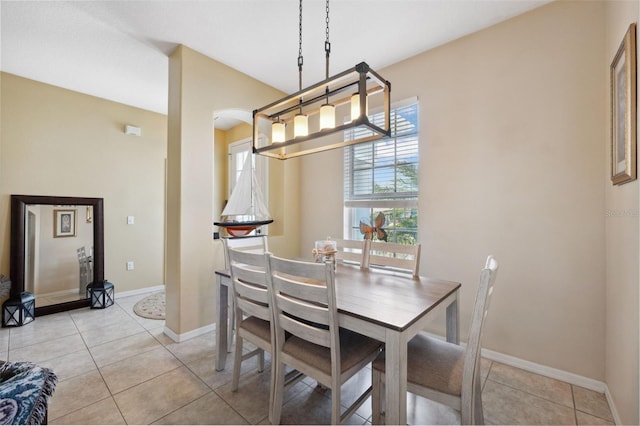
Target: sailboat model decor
pixel 246 210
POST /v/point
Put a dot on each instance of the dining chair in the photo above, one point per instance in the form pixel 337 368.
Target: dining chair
pixel 251 244
pixel 400 257
pixel 445 372
pixel 304 305
pixel 251 301
pixel 351 251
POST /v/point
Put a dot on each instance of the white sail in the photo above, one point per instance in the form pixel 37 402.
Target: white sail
pixel 247 198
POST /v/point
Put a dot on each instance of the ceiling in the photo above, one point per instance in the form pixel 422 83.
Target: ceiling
pixel 118 50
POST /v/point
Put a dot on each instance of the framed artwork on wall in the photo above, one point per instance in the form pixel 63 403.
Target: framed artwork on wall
pixel 623 110
pixel 64 223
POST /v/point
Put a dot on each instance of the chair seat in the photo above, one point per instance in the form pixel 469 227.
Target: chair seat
pixel 258 327
pixel 432 363
pixel 353 348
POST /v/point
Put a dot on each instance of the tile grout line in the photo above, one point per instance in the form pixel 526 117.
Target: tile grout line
pixel 486 378
pixel 598 417
pixel 575 411
pixel 529 393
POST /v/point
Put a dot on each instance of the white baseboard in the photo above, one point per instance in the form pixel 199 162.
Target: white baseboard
pixel 612 406
pixel 189 334
pixel 139 291
pixel 546 371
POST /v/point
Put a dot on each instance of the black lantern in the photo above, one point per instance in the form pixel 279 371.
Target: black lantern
pixel 19 310
pixel 100 294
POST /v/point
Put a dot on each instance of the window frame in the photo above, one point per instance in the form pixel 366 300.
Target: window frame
pixel 378 201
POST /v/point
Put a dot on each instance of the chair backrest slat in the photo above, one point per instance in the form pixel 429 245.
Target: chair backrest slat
pixel 308 289
pixel 351 251
pixel 305 331
pixel 253 244
pixel 302 309
pixel 252 309
pixel 247 275
pixel 403 257
pixel 257 244
pixel 249 290
pixel 394 262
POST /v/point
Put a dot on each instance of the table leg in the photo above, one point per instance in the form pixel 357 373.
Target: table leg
pixel 222 297
pixel 453 322
pixel 396 378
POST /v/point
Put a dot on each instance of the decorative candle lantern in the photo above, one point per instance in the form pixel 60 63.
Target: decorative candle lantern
pixel 325 251
pixel 100 294
pixel 19 310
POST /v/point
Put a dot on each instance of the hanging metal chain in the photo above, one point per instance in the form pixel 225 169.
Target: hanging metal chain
pixel 300 60
pixel 327 21
pixel 327 44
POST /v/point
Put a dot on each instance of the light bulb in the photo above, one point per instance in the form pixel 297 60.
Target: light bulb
pixel 355 106
pixel 300 125
pixel 277 132
pixel 327 116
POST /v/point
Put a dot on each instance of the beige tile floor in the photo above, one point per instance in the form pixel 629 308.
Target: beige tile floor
pixel 117 368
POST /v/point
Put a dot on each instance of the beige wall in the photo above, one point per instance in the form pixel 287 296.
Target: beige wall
pixel 58 142
pixel 621 224
pixel 198 86
pixel 511 164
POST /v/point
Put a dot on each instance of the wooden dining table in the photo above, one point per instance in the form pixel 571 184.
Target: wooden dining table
pixel 387 306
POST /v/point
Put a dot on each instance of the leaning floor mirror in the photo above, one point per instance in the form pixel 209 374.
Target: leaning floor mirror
pixel 57 248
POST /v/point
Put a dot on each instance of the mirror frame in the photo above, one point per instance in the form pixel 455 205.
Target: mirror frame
pixel 18 222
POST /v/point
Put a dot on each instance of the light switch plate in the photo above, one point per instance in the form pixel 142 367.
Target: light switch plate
pixel 130 220
pixel 130 266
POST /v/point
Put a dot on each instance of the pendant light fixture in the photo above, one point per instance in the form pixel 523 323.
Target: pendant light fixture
pixel 315 112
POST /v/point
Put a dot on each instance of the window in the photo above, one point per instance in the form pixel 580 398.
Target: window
pixel 382 177
pixel 238 152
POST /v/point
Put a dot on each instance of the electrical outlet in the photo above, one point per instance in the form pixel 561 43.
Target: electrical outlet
pixel 130 266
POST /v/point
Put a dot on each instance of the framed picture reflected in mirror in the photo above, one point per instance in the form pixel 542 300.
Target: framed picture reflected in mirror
pixel 64 223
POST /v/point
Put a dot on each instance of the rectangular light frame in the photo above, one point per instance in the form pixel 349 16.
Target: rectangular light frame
pixel 360 79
